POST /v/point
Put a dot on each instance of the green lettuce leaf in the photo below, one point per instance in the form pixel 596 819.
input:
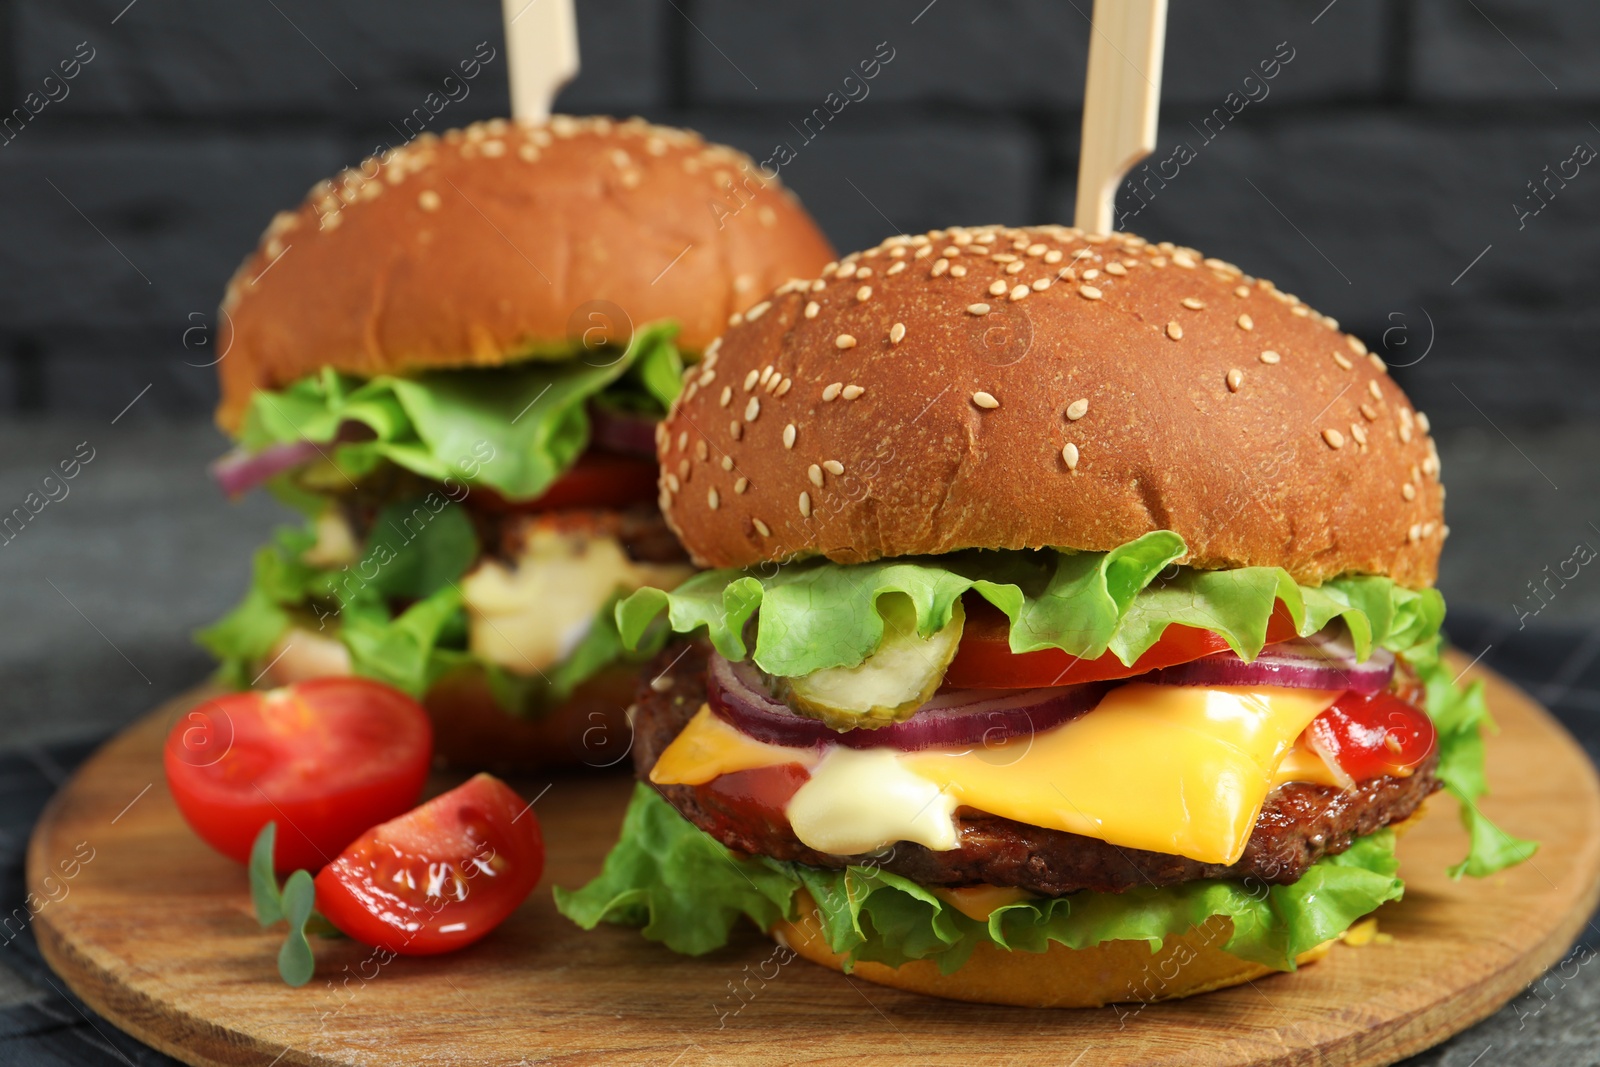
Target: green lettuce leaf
pixel 686 890
pixel 815 614
pixel 514 429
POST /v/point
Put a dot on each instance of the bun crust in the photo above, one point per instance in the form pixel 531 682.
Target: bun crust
pixel 478 247
pixel 929 405
pixel 1116 972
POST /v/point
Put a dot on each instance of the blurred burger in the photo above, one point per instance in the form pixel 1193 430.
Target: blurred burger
pixel 452 360
pixel 1076 602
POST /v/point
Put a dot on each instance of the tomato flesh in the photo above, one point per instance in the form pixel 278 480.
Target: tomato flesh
pixel 440 877
pixel 1376 735
pixel 324 759
pixel 984 659
pixel 597 480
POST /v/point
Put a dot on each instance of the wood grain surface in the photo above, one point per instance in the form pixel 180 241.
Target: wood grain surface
pixel 155 932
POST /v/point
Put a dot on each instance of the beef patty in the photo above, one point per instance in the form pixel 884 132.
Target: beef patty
pixel 1299 823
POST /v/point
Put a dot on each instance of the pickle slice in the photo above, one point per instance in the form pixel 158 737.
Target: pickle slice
pixel 888 685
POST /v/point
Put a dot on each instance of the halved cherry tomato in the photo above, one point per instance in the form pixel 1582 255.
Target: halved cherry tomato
pixel 325 759
pixel 597 480
pixel 984 659
pixel 440 877
pixel 1371 736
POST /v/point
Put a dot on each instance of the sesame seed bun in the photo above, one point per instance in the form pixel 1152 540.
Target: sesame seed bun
pixel 479 247
pixel 1116 972
pixel 1023 388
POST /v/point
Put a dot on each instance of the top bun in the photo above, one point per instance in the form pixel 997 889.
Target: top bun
pixel 1024 388
pixel 482 246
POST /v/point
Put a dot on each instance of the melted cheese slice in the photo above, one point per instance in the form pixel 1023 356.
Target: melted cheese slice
pixel 1182 770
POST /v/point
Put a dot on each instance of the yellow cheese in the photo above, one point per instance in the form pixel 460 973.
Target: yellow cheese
pixel 980 901
pixel 1176 769
pixel 708 747
pixel 1182 770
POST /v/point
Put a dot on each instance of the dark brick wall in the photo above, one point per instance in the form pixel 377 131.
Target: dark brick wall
pixel 1366 176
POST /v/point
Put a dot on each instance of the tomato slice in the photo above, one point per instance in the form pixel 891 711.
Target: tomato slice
pixel 440 877
pixel 1376 735
pixel 325 759
pixel 984 659
pixel 597 480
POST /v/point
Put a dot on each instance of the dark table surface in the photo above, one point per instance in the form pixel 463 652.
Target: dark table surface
pixel 1554 1021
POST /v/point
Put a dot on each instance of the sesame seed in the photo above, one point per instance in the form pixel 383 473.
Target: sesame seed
pixel 1019 292
pixel 707 375
pixel 846 272
pixel 1004 257
pixel 1428 528
pixel 1015 268
pixel 985 400
pixel 788 383
pixel 788 436
pixel 751 379
pixel 818 285
pixel 833 466
pixel 766 374
pixel 865 272
pixel 997 287
pixel 727 462
pixel 897 267
pixel 1192 303
pixel 1369 413
pixel 1116 268
pixel 1408 491
pixel 683 440
pixel 757 311
pixel 1174 331
pixel 727 395
pixel 812 308
pixel 1241 291
pixel 844 340
pixel 1036 249
pixel 852 391
pixel 1422 422
pixel 1053 256
pixel 752 409
pixel 1372 357
pixel 1356 346
pixel 940 266
pixel 831 391
pixel 735 319
pixel 736 429
pixel 761 527
pixel 774 382
pixel 1089 292
pixel 864 294
pixel 1372 387
pixel 741 485
pixel 1041 284
pixel 958 271
pixel 673 483
pixel 1077 409
pixel 702 451
pixel 712 499
pixel 1405 432
pixel 1235 378
pixel 1091 274
pixel 1334 438
pixel 951 253
pixel 1183 259
pixel 1343 361
pixel 897 333
pixel 428 200
pixel 978 309
pixel 805 505
pixel 814 472
pixel 1246 322
pixel 1269 356
pixel 1414 534
pixel 1358 432
pixel 1069 455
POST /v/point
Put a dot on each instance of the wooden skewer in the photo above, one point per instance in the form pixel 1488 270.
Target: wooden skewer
pixel 542 53
pixel 1121 99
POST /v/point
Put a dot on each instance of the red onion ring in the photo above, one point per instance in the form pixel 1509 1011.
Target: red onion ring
pixel 1322 661
pixel 956 718
pixel 239 471
pixel 621 431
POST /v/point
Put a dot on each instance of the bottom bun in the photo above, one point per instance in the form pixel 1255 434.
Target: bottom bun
pixel 1116 972
pixel 470 729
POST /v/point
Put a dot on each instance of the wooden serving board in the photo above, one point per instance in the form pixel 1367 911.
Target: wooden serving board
pixel 155 932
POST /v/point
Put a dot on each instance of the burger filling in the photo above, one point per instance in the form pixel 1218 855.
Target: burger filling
pixel 483 520
pixel 1025 747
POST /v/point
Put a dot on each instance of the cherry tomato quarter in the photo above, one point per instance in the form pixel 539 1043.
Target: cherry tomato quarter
pixel 325 759
pixel 438 878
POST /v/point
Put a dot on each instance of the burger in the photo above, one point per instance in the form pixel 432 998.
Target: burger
pixel 1071 637
pixel 451 361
